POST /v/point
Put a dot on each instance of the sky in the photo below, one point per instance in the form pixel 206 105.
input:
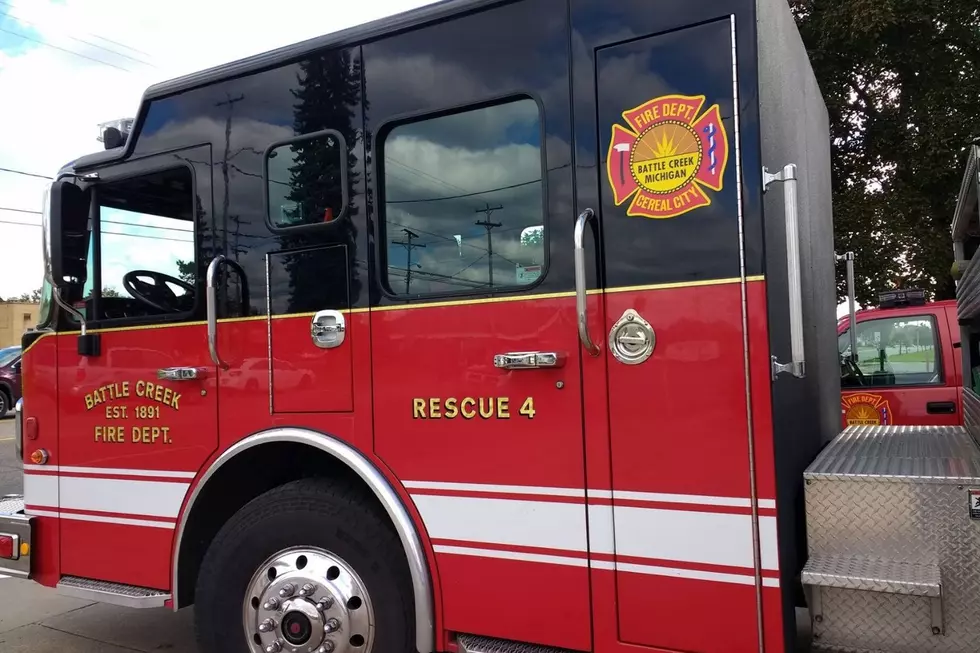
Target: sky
pixel 68 65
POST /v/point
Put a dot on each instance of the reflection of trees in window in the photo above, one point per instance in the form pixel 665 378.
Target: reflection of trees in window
pixel 328 94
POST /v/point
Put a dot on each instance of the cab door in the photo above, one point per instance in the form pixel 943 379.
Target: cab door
pixel 475 357
pixel 138 417
pixel 905 372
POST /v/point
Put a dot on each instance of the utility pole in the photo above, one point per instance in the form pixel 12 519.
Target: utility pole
pixel 489 227
pixel 409 246
pixel 230 103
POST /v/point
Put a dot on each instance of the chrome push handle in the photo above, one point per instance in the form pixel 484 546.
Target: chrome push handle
pixel 528 360
pixel 580 289
pixel 212 304
pixel 182 373
pixel 797 364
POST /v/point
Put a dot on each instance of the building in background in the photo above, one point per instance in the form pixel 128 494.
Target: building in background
pixel 15 318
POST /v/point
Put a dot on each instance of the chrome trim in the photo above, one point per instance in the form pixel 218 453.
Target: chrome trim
pixel 182 373
pixel 632 339
pixel 407 533
pixel 852 325
pixel 19 428
pixel 746 359
pixel 212 302
pixel 797 365
pixel 580 289
pixel 268 323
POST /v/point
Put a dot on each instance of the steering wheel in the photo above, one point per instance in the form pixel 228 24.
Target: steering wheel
pixel 157 294
pixel 852 368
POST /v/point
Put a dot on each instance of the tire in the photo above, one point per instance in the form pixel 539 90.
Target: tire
pixel 4 403
pixel 330 518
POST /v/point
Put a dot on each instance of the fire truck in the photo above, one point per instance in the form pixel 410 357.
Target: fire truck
pixel 492 326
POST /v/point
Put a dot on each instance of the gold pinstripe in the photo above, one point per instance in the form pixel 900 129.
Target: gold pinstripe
pixel 405 307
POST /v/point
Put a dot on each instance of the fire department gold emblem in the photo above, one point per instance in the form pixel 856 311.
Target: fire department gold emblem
pixel 865 409
pixel 667 157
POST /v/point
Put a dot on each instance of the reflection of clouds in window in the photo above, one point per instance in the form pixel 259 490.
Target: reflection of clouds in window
pixel 139 241
pixel 446 174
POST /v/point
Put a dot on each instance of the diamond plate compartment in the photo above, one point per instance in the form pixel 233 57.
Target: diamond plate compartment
pixel 11 505
pixel 911 578
pixel 478 644
pixel 897 495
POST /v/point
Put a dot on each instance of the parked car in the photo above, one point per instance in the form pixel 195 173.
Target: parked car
pixel 908 368
pixel 9 378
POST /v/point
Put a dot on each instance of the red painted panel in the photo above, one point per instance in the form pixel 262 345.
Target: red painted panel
pixel 516 600
pixel 40 391
pixel 122 554
pixel 305 378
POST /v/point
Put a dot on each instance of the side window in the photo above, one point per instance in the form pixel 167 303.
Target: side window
pixel 899 351
pixel 306 180
pixel 464 201
pixel 147 263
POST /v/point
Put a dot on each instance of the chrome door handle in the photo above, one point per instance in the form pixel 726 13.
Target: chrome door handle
pixel 580 290
pixel 182 373
pixel 212 307
pixel 528 360
pixel 328 329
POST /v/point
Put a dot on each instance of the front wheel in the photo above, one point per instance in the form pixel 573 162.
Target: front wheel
pixel 305 567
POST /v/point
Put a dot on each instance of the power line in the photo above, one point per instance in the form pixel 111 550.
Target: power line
pixel 65 50
pixel 455 197
pixel 7 208
pixel 74 38
pixel 26 174
pixel 409 246
pixel 107 233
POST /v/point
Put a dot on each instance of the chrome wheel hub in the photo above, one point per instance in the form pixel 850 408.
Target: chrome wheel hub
pixel 307 600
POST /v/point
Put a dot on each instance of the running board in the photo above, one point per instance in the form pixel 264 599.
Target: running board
pixel 477 644
pixel 102 591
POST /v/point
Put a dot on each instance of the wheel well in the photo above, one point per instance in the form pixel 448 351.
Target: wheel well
pixel 240 480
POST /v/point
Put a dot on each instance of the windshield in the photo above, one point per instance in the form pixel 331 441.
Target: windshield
pixel 8 355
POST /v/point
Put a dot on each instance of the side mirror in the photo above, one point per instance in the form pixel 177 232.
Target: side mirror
pixel 65 223
pixel 17 367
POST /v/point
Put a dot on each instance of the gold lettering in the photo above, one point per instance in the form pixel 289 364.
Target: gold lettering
pixel 462 408
pixel 89 402
pixel 158 393
pixel 451 409
pixel 486 413
pixel 140 388
pixel 418 408
pixel 168 395
pixel 174 400
pixel 98 433
pixel 125 388
pixel 165 430
pixel 527 409
pixel 503 411
pixel 435 412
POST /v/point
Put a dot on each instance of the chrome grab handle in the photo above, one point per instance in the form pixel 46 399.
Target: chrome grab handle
pixel 580 290
pixel 212 304
pixel 182 373
pixel 797 365
pixel 528 360
pixel 19 428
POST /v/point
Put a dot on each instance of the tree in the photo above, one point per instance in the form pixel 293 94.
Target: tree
pixel 111 292
pixel 901 79
pixel 186 271
pixel 32 297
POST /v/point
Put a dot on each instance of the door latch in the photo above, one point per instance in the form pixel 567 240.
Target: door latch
pixel 528 360
pixel 328 329
pixel 182 373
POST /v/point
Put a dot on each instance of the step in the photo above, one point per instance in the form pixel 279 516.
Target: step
pixel 113 593
pixel 478 644
pixel 11 504
pixel 883 576
pixel 892 577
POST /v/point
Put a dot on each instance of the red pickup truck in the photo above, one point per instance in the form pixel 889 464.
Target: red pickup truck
pixel 908 366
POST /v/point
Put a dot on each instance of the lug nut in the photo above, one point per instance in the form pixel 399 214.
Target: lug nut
pixel 271 604
pixel 331 625
pixel 326 647
pixel 287 590
pixel 308 590
pixel 267 626
pixel 324 604
pixel 274 647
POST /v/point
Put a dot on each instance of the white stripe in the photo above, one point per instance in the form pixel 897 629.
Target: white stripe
pixel 544 524
pixel 654 533
pixel 696 499
pixel 499 489
pixel 511 555
pixel 40 490
pixel 151 498
pixel 111 471
pixel 694 574
pixel 700 537
pixel 100 519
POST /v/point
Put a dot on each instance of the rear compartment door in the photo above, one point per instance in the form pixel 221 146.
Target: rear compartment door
pixel 670 518
pixel 906 373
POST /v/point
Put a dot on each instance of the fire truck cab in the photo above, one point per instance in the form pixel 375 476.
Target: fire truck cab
pixel 492 326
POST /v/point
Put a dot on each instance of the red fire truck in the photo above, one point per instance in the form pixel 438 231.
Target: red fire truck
pixel 493 326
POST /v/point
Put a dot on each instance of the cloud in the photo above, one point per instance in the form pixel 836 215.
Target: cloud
pixel 78 63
